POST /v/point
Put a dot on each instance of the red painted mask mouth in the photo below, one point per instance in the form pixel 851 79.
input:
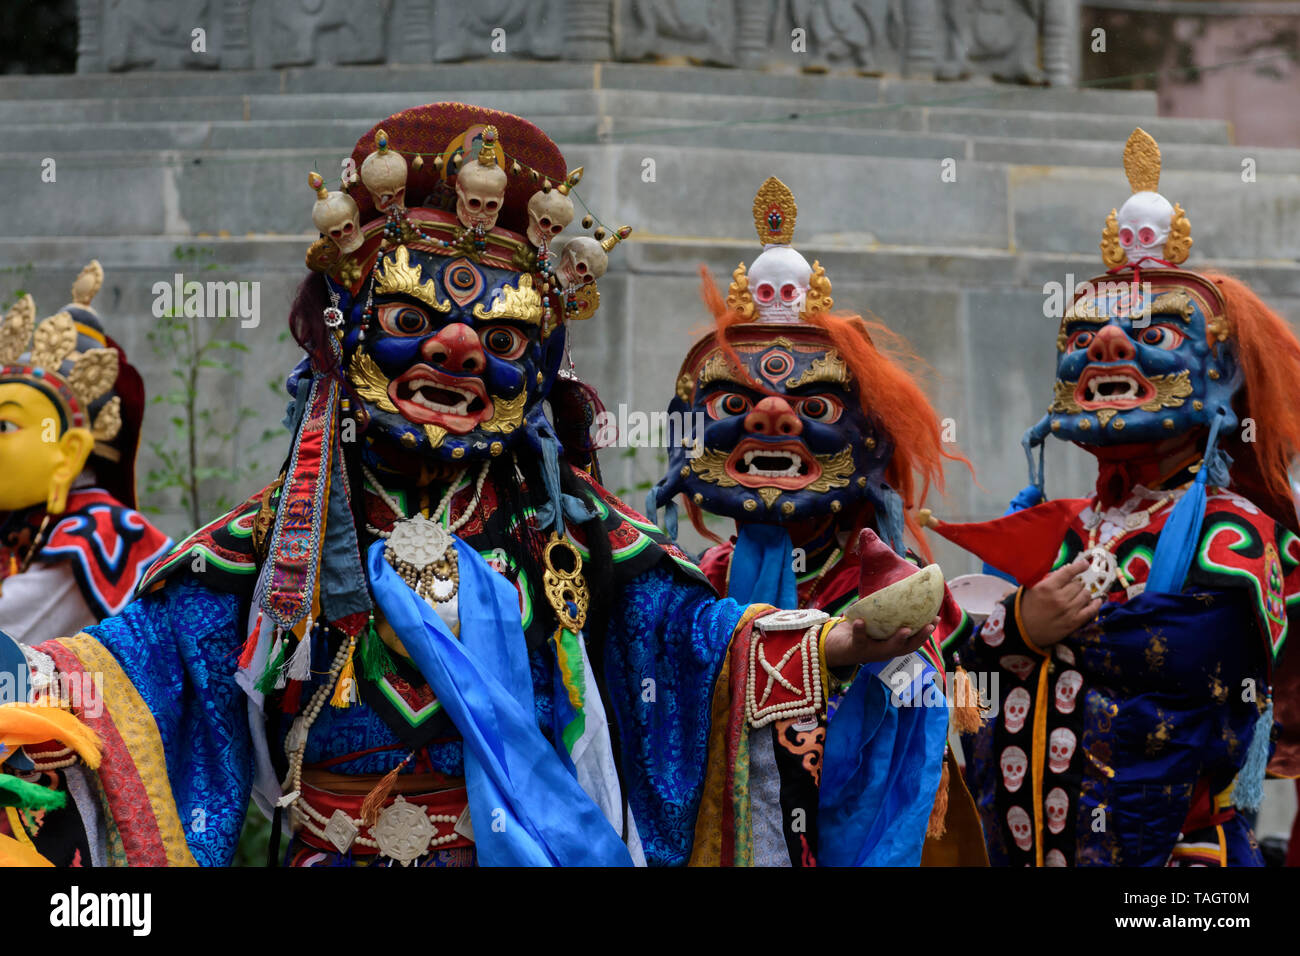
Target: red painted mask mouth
pixel 427 396
pixel 1113 387
pixel 759 464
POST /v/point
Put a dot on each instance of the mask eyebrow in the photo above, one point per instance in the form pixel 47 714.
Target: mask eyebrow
pixel 522 303
pixel 828 369
pixel 1177 304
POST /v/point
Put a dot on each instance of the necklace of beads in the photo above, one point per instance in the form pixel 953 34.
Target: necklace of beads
pixel 419 548
pixel 1103 568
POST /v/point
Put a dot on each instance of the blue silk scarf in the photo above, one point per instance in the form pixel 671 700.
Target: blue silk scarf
pixel 526 807
pixel 762 569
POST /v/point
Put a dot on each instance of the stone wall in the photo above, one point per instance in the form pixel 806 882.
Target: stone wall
pixel 1030 41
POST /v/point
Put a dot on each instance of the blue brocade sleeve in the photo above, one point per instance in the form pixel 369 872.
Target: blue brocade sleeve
pixel 667 641
pixel 179 647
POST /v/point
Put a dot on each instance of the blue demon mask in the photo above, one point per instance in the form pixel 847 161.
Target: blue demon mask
pixel 1141 361
pixel 782 438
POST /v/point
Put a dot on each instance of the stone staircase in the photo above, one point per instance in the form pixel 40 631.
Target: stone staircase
pixel 185 172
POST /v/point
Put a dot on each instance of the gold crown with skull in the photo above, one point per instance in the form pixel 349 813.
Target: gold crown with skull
pixel 1147 227
pixel 780 285
pixel 461 194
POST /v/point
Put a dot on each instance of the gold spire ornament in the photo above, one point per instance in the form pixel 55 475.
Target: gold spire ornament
pixel 1142 161
pixel 774 212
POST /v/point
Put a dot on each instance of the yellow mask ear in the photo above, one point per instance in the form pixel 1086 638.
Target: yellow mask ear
pixel 74 448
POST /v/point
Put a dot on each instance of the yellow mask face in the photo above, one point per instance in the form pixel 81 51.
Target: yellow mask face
pixel 37 463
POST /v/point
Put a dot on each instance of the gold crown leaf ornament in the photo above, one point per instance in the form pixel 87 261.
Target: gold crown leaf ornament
pixel 53 344
pixel 1147 229
pixel 779 285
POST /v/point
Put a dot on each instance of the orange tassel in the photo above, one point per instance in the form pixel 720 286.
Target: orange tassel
pixel 345 691
pixel 250 645
pixel 966 716
pixel 938 825
pixel 374 800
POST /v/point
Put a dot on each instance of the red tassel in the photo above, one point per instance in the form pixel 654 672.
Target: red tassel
pixel 250 645
pixel 291 702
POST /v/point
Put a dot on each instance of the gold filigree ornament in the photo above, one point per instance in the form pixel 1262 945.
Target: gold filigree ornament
pixel 819 291
pixel 774 212
pixel 522 303
pixel 396 276
pixel 1179 243
pixel 563 583
pixel 739 299
pixel 1142 161
pixel 370 382
pixel 1112 253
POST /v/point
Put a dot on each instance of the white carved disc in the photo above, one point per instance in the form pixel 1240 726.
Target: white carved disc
pixel 418 541
pixel 403 831
pixel 1101 572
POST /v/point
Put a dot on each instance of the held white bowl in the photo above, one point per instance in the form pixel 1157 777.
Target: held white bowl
pixel 911 603
pixel 978 594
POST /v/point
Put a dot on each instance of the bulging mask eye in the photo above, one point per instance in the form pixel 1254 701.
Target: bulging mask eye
pixel 727 404
pixel 404 320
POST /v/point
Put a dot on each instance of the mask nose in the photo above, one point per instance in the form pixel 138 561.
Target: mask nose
pixel 1111 344
pixel 455 349
pixel 774 418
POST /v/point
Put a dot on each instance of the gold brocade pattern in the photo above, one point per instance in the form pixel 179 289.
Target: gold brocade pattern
pixel 139 733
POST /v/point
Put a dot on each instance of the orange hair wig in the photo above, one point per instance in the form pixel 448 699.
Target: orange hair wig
pixel 886 368
pixel 1269 356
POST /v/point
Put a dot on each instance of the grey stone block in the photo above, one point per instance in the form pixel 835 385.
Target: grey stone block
pixel 1049 126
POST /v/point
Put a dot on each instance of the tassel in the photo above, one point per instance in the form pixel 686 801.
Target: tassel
pixel 966 716
pixel 375 659
pixel 374 800
pixel 271 677
pixel 1248 792
pixel 30 796
pixel 250 645
pixel 346 688
pixel 568 656
pixel 291 701
pixel 300 663
pixel 938 824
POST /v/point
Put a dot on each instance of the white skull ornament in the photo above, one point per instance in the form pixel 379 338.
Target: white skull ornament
pixel 1054 858
pixel 993 630
pixel 1060 749
pixel 1058 804
pixel 1064 654
pixel 1016 709
pixel 549 212
pixel 1144 221
pixel 1014 762
pixel 1021 827
pixel 383 173
pixel 779 280
pixel 336 215
pixel 1067 688
pixel 583 260
pixel 480 192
